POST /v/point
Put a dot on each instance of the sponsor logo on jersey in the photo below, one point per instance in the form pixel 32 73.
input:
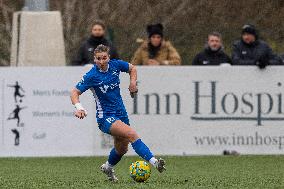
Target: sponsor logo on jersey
pixel 104 88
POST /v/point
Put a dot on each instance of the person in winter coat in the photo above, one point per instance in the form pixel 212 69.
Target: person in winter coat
pixel 213 54
pixel 156 50
pixel 250 50
pixel 86 51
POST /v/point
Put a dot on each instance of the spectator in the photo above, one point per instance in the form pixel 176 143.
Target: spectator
pixel 252 51
pixel 156 50
pixel 213 54
pixel 86 51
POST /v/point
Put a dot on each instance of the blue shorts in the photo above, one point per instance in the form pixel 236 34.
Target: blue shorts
pixel 106 122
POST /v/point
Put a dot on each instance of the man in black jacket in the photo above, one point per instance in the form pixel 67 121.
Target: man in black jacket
pixel 213 53
pixel 86 51
pixel 252 51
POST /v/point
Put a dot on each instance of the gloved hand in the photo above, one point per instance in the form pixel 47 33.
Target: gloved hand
pixel 261 65
pixel 262 62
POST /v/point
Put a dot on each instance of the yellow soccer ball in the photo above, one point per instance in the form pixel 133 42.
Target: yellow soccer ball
pixel 140 171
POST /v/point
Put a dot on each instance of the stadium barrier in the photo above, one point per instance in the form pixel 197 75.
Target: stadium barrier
pixel 178 111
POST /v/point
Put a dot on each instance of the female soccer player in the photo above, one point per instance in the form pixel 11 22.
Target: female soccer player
pixel 103 80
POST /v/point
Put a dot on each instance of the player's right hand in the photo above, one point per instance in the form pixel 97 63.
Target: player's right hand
pixel 81 114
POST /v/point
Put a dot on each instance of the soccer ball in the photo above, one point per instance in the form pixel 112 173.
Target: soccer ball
pixel 140 171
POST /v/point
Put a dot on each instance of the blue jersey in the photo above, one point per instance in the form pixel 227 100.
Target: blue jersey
pixel 105 88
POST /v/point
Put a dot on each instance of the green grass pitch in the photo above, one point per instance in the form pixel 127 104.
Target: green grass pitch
pixel 182 172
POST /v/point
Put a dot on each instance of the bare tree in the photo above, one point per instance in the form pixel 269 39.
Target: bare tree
pixel 187 23
pixel 7 8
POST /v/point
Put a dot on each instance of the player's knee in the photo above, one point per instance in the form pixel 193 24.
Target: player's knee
pixel 132 136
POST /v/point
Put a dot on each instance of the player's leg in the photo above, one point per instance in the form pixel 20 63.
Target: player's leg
pixel 120 143
pixel 120 129
pixel 17 141
pixel 18 121
pixel 120 148
pixel 10 116
pixel 13 117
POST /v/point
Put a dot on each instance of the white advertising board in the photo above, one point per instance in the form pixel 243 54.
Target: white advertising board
pixel 178 111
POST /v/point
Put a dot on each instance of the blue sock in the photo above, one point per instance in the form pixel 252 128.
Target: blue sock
pixel 113 157
pixel 142 150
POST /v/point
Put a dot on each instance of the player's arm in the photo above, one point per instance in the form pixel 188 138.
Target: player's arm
pixel 80 111
pixel 82 86
pixel 133 80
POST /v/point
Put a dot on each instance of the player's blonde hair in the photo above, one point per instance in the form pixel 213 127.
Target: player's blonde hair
pixel 101 48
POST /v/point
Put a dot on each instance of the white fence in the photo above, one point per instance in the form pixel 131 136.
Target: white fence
pixel 178 111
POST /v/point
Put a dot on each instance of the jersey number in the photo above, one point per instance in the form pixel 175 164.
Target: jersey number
pixel 110 119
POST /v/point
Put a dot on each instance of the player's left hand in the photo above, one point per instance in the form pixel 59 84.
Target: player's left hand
pixel 133 89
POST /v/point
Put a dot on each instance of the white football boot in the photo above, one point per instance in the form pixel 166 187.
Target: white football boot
pixel 109 171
